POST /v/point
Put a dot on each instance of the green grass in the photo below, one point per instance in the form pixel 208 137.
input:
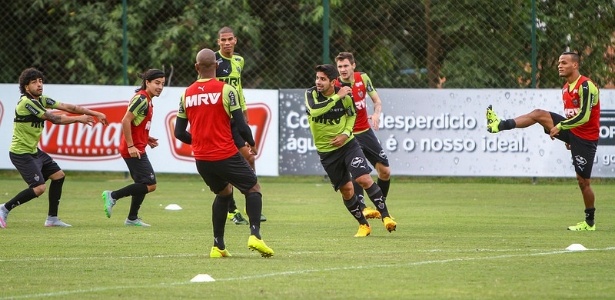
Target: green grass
pixel 457 238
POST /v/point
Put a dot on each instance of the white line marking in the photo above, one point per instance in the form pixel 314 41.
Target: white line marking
pixel 298 272
pixel 27 259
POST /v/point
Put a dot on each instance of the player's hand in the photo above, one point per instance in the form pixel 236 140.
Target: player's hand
pixel 252 149
pixel 85 119
pixel 344 91
pixel 339 140
pixel 152 142
pixel 554 131
pixel 134 152
pixel 375 121
pixel 102 118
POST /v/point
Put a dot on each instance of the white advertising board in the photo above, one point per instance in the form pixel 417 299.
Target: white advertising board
pixel 434 132
pixel 80 147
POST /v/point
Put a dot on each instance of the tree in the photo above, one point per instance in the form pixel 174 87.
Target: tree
pixel 400 43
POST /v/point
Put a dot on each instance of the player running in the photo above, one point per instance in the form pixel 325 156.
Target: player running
pixel 362 86
pixel 331 117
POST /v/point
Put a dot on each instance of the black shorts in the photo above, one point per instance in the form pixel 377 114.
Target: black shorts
pixel 234 170
pixel 35 169
pixel 239 141
pixel 583 151
pixel 342 163
pixel 371 147
pixel 141 170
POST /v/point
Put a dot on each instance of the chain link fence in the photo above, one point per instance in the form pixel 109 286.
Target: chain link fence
pixel 400 43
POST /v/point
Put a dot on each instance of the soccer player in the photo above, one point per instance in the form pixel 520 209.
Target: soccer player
pixel 362 86
pixel 579 128
pixel 331 116
pixel 34 165
pixel 136 124
pixel 229 67
pixel 208 105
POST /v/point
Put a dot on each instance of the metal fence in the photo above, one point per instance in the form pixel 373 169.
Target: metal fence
pixel 400 43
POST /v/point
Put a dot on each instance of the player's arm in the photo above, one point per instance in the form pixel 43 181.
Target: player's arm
pixel 181 123
pixel 242 103
pixel 351 116
pixel 40 111
pixel 315 108
pixel 239 87
pixel 231 101
pixel 55 118
pixel 75 109
pixel 340 139
pixel 588 94
pixel 371 91
pixel 64 119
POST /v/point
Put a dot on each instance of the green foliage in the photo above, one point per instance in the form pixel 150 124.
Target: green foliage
pixel 405 44
pixel 587 29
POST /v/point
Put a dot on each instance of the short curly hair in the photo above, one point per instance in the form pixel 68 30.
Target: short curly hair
pixel 329 70
pixel 27 76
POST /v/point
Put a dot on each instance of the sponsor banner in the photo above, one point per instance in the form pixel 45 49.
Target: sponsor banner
pixel 82 147
pixel 429 132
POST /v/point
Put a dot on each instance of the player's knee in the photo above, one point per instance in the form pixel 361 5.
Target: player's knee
pixel 583 183
pixel 538 112
pixel 347 192
pixel 151 188
pixel 365 181
pixel 226 191
pixel 40 189
pixel 384 172
pixel 255 189
pixel 57 175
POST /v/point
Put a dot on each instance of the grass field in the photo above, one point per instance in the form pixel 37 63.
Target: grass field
pixel 456 238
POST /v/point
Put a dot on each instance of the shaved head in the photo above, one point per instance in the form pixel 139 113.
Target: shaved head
pixel 206 63
pixel 206 58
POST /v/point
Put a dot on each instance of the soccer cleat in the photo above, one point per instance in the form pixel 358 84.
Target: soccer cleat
pixel 259 245
pixel 217 253
pixel 492 121
pixel 371 213
pixel 138 222
pixel 389 224
pixel 364 230
pixel 230 215
pixel 4 214
pixel 238 219
pixel 582 226
pixel 55 222
pixel 109 202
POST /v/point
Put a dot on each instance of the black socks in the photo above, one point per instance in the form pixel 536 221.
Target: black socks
pixel 384 186
pixel 355 209
pixel 218 218
pixel 55 193
pixel 133 189
pixel 375 194
pixel 21 198
pixel 135 205
pixel 507 124
pixel 589 216
pixel 254 208
pixel 358 191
